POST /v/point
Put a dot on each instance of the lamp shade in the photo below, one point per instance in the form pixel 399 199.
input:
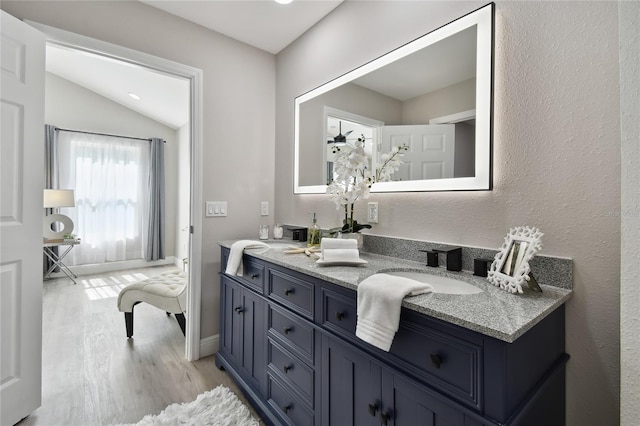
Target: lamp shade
pixel 54 198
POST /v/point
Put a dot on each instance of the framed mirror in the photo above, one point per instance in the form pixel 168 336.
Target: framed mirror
pixel 510 268
pixel 433 95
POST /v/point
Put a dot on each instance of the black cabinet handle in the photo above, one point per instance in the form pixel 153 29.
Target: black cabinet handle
pixel 384 418
pixel 286 368
pixel 373 409
pixel 287 408
pixel 436 360
pixel 288 291
pixel 254 276
pixel 339 316
pixel 288 330
pixel 239 309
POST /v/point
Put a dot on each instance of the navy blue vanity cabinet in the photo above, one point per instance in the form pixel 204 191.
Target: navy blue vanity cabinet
pixel 243 337
pixel 295 355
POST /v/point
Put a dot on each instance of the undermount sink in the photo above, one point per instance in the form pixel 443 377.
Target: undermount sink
pixel 280 245
pixel 440 284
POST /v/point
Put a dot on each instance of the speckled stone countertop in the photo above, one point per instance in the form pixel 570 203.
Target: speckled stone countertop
pixel 493 312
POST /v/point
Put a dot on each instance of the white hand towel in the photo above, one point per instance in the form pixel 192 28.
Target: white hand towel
pixel 338 243
pixel 336 255
pixel 234 263
pixel 379 304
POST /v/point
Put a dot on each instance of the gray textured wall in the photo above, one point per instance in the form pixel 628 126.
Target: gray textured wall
pixel 556 156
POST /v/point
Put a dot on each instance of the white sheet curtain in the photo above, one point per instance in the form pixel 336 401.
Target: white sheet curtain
pixel 110 176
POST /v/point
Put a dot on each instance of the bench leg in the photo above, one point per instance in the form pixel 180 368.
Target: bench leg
pixel 128 320
pixel 181 322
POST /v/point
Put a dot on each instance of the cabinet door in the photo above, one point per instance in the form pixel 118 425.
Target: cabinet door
pixel 253 352
pixel 231 303
pixel 243 331
pixel 350 386
pixel 407 404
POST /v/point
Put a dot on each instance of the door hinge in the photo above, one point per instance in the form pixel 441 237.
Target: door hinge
pixel 191 229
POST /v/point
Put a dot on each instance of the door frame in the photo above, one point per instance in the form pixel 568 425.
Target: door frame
pixel 194 75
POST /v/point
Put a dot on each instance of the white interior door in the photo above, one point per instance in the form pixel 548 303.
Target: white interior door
pixel 431 152
pixel 21 185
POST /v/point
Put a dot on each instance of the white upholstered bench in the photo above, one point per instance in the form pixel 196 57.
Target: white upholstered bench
pixel 166 291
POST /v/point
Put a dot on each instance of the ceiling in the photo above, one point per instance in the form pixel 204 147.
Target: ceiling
pixel 264 24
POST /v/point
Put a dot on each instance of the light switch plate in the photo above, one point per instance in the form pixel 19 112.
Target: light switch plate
pixel 264 208
pixel 372 212
pixel 215 209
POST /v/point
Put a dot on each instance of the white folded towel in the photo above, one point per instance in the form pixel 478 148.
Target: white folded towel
pixel 338 243
pixel 334 249
pixel 234 263
pixel 335 255
pixel 379 304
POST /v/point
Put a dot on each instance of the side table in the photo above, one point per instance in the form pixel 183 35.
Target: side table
pixel 57 258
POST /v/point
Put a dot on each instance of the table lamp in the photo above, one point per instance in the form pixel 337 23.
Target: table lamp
pixel 56 198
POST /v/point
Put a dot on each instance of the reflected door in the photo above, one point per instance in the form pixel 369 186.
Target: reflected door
pixel 431 152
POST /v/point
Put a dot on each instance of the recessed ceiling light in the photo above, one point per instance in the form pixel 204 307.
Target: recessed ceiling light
pixel 134 96
pixel 283 1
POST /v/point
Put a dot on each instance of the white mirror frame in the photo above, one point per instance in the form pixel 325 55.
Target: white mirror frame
pixel 482 180
pixel 513 283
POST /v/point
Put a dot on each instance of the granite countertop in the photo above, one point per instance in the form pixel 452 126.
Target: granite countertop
pixel 493 312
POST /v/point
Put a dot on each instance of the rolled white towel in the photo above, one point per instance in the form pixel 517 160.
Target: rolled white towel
pixel 335 255
pixel 336 243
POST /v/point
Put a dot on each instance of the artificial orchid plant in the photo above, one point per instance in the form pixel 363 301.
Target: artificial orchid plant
pixel 353 178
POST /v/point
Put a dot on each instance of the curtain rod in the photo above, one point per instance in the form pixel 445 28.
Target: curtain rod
pixel 104 134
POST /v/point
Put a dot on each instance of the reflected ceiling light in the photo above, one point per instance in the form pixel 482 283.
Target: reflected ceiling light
pixel 134 96
pixel 283 1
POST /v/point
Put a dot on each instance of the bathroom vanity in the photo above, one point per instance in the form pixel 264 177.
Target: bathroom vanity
pixel 287 337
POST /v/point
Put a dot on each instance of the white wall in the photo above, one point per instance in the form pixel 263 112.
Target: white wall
pixel 239 112
pixel 70 106
pixel 556 156
pixel 629 15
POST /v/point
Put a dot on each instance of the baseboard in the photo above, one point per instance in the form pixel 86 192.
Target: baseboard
pixel 101 268
pixel 209 345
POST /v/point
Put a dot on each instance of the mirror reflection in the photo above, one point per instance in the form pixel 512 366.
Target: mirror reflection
pixel 432 96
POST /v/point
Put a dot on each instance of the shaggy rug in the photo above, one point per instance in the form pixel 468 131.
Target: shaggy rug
pixel 219 407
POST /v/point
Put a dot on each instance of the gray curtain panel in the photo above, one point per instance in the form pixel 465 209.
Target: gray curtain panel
pixel 50 177
pixel 155 233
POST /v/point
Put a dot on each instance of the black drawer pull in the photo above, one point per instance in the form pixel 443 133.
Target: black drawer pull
pixel 384 417
pixel 288 408
pixel 286 368
pixel 239 309
pixel 436 360
pixel 254 276
pixel 373 409
pixel 339 316
pixel 288 291
pixel 288 330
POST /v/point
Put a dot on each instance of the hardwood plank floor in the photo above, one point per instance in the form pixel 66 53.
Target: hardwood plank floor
pixel 93 375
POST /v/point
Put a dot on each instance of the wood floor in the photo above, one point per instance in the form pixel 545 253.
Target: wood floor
pixel 93 375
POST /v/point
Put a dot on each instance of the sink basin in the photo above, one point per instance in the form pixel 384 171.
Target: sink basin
pixel 440 284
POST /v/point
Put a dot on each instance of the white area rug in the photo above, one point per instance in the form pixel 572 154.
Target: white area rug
pixel 219 407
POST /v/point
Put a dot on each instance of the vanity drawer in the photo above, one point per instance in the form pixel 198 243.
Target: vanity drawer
pixel 291 291
pixel 295 332
pixel 446 362
pixel 290 408
pixel 253 274
pixel 252 271
pixel 339 312
pixel 292 371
